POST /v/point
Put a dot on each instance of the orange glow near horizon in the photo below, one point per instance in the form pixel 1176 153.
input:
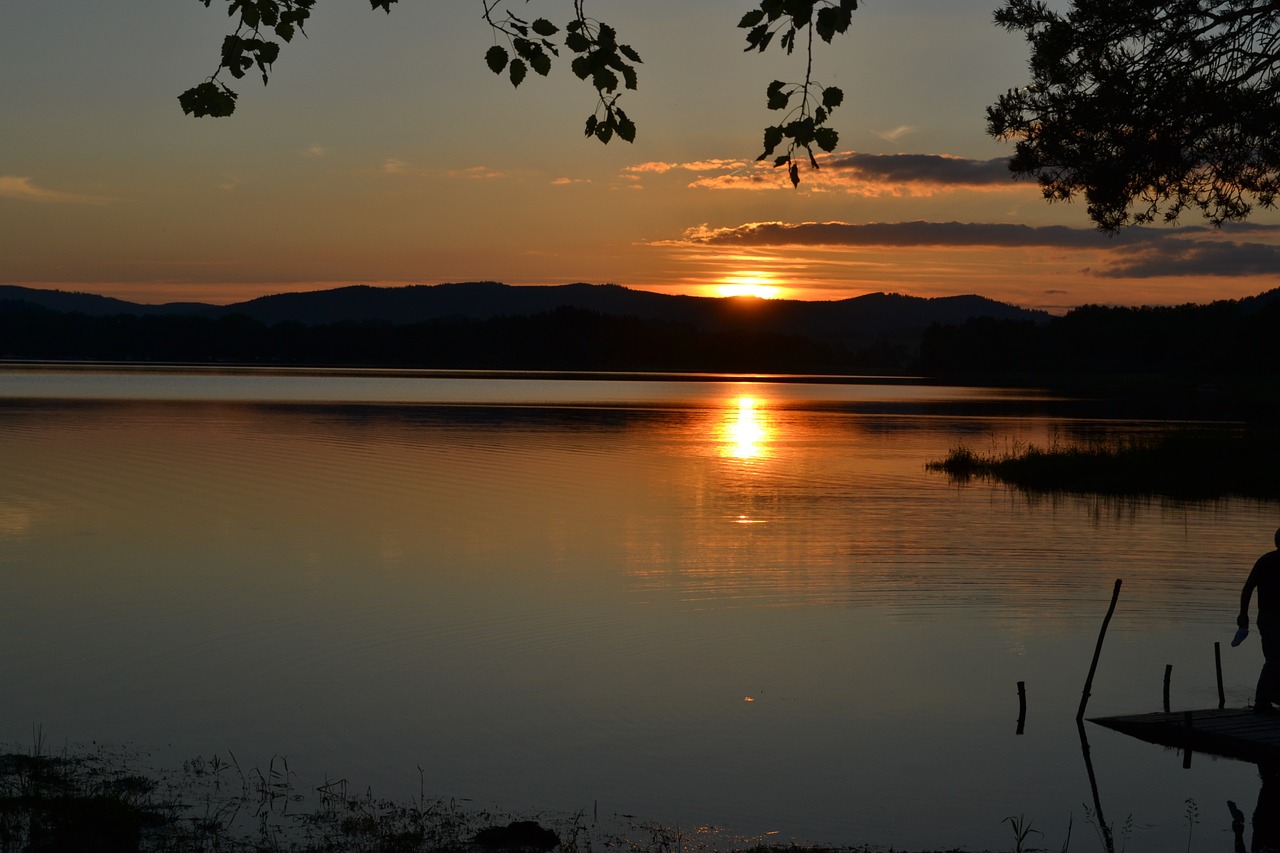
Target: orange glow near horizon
pixel 750 283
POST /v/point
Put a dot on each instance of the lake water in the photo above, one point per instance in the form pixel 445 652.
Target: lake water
pixel 729 601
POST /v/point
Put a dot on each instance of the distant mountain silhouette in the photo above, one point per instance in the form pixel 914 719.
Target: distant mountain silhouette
pixel 92 305
pixel 492 326
pixel 857 322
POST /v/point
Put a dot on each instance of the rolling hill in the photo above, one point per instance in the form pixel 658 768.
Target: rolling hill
pixel 858 322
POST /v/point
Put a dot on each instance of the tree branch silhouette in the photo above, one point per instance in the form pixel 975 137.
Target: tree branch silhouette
pixel 804 125
pixel 522 44
pixel 1147 109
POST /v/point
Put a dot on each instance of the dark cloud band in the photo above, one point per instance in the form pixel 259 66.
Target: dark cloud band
pixel 933 169
pixel 917 233
pixel 1133 253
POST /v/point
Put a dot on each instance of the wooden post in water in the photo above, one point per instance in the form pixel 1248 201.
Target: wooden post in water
pixel 1022 706
pixel 1186 753
pixel 1088 684
pixel 1168 673
pixel 1217 661
pixel 1108 842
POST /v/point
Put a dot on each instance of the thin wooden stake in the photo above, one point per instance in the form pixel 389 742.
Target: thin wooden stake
pixel 1022 706
pixel 1217 660
pixel 1186 753
pixel 1168 673
pixel 1108 842
pixel 1088 684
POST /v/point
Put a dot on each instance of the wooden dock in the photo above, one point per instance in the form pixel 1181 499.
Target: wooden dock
pixel 1232 732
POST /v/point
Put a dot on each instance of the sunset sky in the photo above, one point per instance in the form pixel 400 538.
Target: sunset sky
pixel 385 152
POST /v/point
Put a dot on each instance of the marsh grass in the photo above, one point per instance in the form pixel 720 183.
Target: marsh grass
pixel 86 803
pixel 95 801
pixel 1182 464
pixel 1022 831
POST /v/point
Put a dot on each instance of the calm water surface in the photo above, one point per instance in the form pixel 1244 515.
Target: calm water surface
pixel 724 601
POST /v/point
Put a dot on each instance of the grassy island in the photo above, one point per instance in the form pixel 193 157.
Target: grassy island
pixel 1183 464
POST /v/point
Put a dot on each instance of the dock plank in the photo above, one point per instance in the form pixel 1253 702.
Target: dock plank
pixel 1232 732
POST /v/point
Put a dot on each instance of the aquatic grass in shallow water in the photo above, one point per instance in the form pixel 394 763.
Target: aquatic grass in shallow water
pixel 85 803
pixel 1184 464
pixel 93 802
pixel 215 805
pixel 1022 830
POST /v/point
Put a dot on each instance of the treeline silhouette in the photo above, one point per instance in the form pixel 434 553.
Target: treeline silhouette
pixel 1228 338
pixel 564 339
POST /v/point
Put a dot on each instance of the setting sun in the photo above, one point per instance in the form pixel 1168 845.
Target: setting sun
pixel 757 284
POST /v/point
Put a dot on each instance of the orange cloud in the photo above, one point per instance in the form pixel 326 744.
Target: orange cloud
pixel 756 177
pixel 896 133
pixel 633 174
pixel 478 173
pixel 653 167
pixel 22 189
pixel 395 166
pixel 712 165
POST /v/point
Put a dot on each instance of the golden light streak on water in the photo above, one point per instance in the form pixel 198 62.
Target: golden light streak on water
pixel 747 430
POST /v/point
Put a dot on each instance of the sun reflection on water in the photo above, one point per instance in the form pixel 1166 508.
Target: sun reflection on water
pixel 747 430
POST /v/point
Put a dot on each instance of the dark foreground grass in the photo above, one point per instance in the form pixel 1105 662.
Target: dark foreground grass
pixel 1184 464
pixel 96 802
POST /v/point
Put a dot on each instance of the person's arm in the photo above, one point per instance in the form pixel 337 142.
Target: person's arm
pixel 1246 595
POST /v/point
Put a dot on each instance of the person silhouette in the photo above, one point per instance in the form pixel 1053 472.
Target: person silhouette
pixel 1266 817
pixel 1265 578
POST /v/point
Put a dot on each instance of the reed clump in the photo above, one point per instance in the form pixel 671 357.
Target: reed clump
pixel 60 803
pixel 1183 464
